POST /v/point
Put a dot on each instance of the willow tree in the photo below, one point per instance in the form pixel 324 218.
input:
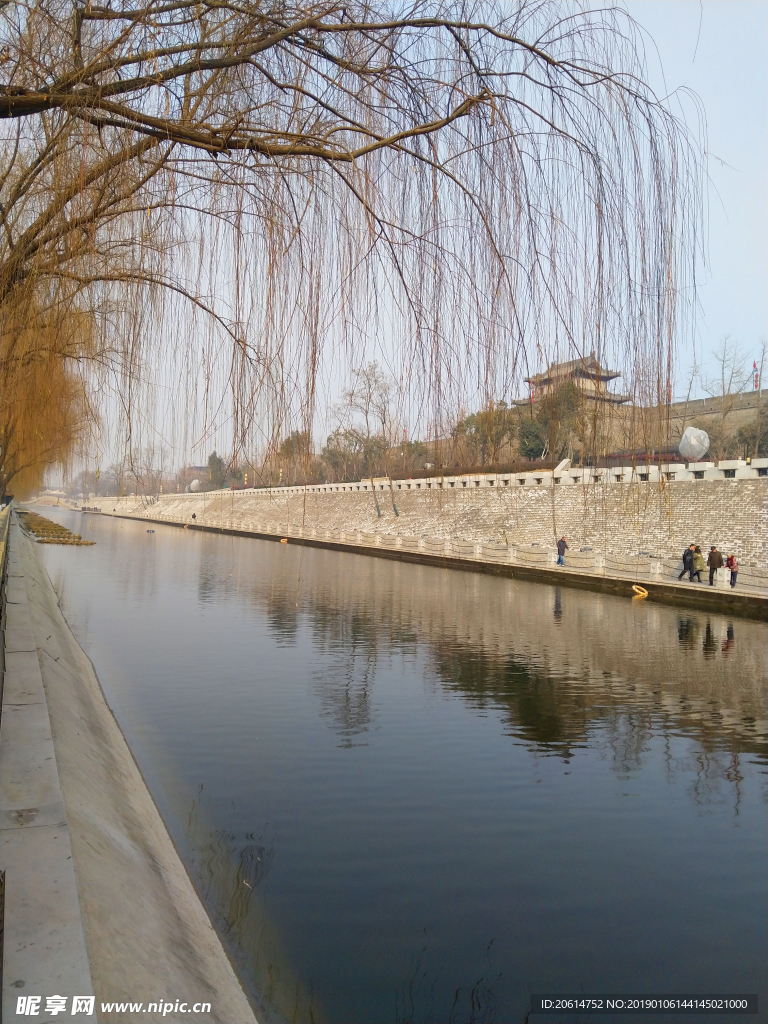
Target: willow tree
pixel 233 192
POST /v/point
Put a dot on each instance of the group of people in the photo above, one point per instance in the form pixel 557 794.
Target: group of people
pixel 694 564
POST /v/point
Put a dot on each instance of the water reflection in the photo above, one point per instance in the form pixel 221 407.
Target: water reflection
pixel 610 663
pixel 728 642
pixel 557 611
pixel 345 697
pixel 709 646
pixel 687 630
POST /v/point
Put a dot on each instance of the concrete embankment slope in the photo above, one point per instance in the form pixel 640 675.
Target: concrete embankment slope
pixel 147 935
pixel 44 951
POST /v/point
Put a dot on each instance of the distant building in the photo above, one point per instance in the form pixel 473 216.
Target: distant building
pixel 586 373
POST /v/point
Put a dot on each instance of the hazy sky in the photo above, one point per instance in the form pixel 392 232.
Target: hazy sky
pixel 720 50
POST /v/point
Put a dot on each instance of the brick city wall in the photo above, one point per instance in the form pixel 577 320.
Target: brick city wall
pixel 612 519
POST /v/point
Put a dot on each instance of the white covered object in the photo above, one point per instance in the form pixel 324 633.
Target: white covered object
pixel 694 443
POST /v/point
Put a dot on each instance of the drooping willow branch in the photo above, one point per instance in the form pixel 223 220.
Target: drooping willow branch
pixel 247 199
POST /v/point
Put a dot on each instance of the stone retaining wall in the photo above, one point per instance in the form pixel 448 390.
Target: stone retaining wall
pixel 616 521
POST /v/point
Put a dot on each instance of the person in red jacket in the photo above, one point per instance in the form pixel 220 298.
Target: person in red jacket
pixel 733 566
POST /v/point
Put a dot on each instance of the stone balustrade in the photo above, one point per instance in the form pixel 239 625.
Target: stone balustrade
pixel 654 473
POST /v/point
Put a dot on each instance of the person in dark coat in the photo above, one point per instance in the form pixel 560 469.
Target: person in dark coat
pixel 562 547
pixel 688 562
pixel 715 562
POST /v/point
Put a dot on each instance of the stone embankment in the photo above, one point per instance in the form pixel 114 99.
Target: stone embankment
pixel 605 525
pixel 97 902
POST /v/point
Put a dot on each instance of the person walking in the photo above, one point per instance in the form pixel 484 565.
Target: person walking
pixel 715 562
pixel 687 563
pixel 733 567
pixel 562 547
pixel 699 565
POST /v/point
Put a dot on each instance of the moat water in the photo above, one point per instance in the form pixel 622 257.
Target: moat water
pixel 408 794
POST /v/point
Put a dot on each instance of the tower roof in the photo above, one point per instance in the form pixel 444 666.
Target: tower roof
pixel 586 367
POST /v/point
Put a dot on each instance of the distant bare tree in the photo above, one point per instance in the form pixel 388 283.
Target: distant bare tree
pixel 725 384
pixel 366 416
pixel 149 470
pixel 227 186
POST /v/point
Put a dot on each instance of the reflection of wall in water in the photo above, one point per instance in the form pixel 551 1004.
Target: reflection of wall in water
pixel 560 660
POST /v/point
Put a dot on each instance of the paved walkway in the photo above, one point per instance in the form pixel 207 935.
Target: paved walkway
pixel 744 585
